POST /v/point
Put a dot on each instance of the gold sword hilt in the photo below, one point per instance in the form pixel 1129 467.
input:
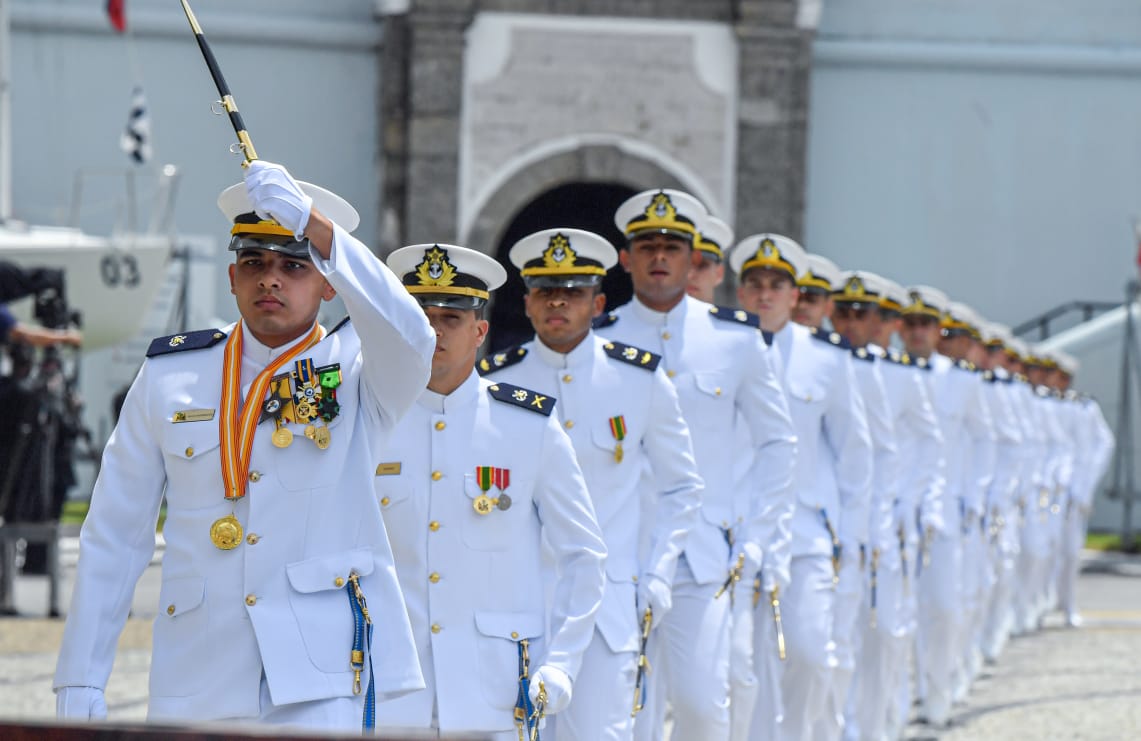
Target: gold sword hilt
pixel 734 575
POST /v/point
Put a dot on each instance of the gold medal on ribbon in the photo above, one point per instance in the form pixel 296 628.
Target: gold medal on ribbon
pixel 618 430
pixel 282 437
pixel 322 438
pixel 482 505
pixel 304 410
pixel 311 432
pixel 226 532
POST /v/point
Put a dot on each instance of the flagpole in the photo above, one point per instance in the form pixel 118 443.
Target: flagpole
pixel 5 117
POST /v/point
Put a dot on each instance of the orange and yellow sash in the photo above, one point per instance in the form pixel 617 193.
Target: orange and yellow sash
pixel 237 433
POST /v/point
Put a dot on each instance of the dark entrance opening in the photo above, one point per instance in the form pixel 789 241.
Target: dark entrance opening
pixel 588 206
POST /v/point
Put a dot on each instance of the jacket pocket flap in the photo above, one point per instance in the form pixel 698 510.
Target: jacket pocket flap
pixel 622 571
pixel 712 384
pixel 190 441
pixel 331 571
pixel 513 626
pixel 181 594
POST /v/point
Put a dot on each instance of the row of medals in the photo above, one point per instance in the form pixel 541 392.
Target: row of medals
pixel 226 532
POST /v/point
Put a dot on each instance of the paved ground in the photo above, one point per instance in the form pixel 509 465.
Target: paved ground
pixel 1058 684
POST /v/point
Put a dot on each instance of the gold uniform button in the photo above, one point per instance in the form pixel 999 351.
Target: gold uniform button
pixel 384 501
pixel 436 475
pixel 568 378
pixel 251 600
pixel 255 476
pixel 189 452
pixel 170 610
pixel 717 391
pixel 253 538
pixel 514 634
pixel 671 373
pixel 635 578
pixel 339 581
pixel 434 578
pixel 436 628
pixel 666 335
pixel 568 424
pixel 433 526
pixel 440 425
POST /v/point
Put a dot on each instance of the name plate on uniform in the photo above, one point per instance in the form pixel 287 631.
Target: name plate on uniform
pixel 193 415
pixel 388 469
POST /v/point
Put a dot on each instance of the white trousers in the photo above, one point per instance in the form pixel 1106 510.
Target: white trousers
pixel 847 635
pixel 768 711
pixel 743 684
pixel 882 644
pixel 940 612
pixel 604 697
pixel 808 619
pixel 690 656
pixel 1074 539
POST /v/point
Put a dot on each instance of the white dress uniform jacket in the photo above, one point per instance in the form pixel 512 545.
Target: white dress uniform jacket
pixel 834 451
pixel 719 367
pixel 1008 443
pixel 598 380
pixel 879 514
pixel 923 469
pixel 969 432
pixel 277 603
pixel 474 582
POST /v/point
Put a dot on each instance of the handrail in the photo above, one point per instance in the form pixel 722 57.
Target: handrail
pixel 1042 321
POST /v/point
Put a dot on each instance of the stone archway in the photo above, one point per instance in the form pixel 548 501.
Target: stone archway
pixel 579 188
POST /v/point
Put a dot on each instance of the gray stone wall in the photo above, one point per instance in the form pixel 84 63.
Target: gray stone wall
pixel 422 77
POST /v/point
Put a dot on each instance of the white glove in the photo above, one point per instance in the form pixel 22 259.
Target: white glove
pixel 753 557
pixel 80 703
pixel 557 684
pixel 276 195
pixel 653 592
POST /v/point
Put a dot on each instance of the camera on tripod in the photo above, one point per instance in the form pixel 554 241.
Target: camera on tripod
pixel 50 305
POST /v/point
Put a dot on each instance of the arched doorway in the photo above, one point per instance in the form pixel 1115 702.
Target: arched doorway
pixel 580 205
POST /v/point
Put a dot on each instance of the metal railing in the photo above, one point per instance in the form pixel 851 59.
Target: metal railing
pixel 1042 322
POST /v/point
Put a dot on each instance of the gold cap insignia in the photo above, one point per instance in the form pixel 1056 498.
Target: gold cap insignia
pixel 436 269
pixel 661 207
pixel 559 253
pixel 854 287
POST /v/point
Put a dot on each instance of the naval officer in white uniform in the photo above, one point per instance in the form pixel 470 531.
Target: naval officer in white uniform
pixel 918 508
pixel 968 434
pixel 721 367
pixel 622 415
pixel 270 517
pixel 864 632
pixel 475 481
pixel 833 473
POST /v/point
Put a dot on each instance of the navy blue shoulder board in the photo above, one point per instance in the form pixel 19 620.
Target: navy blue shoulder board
pixel 500 360
pixel 604 320
pixel 729 314
pixel 185 341
pixel 632 355
pixel 832 338
pixel 521 397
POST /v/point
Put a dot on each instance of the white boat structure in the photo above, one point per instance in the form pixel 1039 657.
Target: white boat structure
pixel 110 280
